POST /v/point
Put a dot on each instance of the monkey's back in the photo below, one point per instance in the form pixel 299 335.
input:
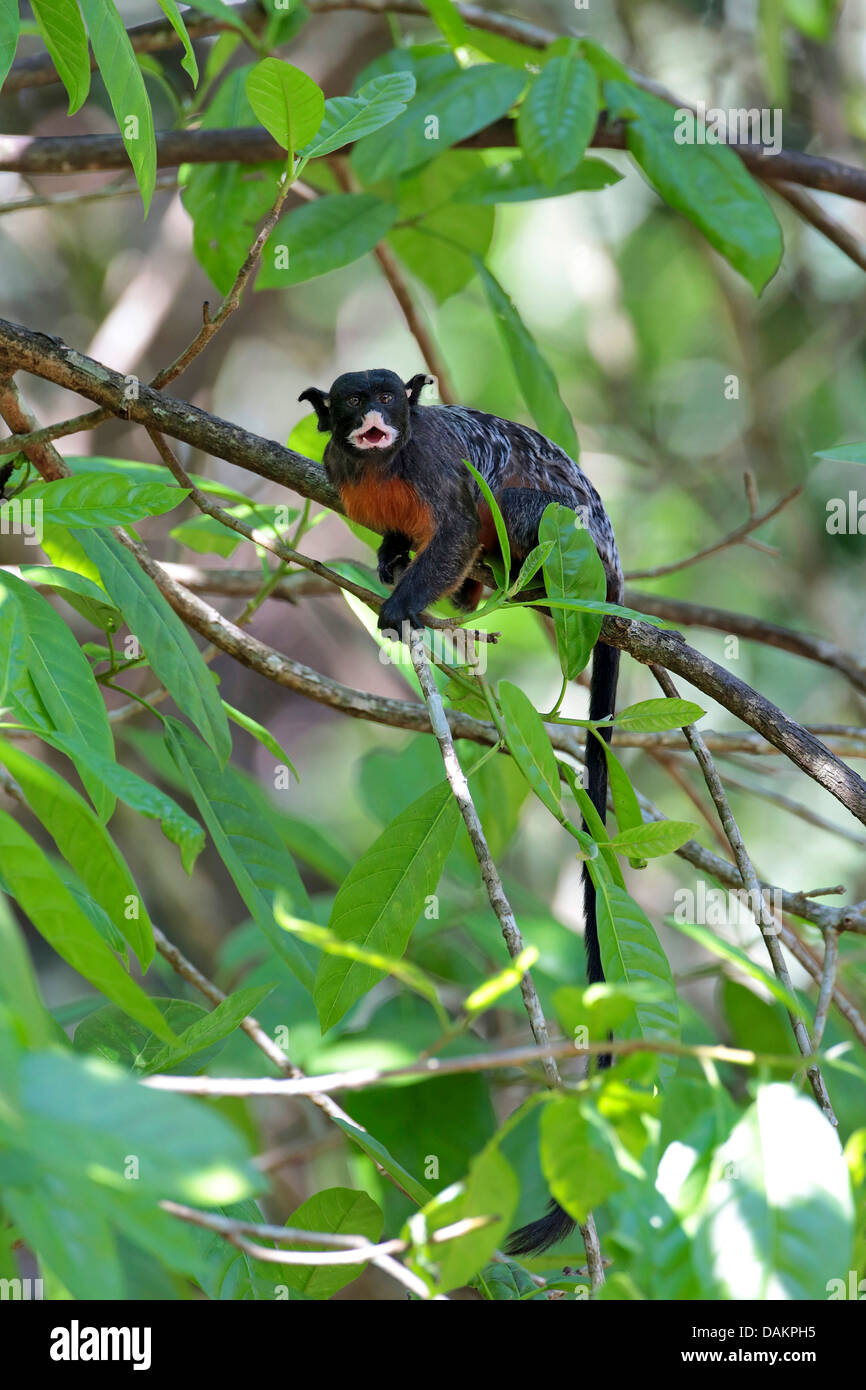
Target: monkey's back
pixel 509 455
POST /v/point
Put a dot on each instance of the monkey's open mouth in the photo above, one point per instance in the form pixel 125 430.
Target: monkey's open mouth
pixel 374 432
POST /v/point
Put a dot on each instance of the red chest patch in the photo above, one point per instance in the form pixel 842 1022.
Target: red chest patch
pixel 389 504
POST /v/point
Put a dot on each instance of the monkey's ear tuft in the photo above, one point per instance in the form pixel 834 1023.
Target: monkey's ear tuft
pixel 416 384
pixel 321 403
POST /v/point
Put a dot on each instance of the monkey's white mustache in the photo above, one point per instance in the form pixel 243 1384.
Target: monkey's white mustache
pixel 373 432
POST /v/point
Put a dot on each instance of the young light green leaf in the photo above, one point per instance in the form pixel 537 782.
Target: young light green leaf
pixel 654 716
pixel 247 843
pixel 19 990
pixel 79 592
pixel 844 453
pixel 572 569
pixel 332 945
pixel 558 116
pixel 376 104
pixel 64 683
pixel 57 917
pixel 115 57
pixel 630 952
pixel 653 838
pixel 450 22
pixel 92 499
pixel 530 567
pixel 707 183
pixel 288 103
pixel 170 650
pixel 61 27
pixel 318 237
pixel 382 898
pixel 534 376
pixel 175 19
pixel 85 844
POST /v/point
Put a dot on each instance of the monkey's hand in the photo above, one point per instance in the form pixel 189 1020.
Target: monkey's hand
pixel 393 555
pixel 394 613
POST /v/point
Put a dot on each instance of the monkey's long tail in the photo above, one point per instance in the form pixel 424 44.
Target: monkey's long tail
pixel 557 1224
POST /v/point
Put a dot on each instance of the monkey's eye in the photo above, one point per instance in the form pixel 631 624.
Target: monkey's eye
pixel 353 400
pixel 386 397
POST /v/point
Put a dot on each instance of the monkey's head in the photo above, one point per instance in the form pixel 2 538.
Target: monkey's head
pixel 367 412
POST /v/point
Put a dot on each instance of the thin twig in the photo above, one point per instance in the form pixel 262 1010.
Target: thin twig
pixel 735 537
pixel 828 981
pixel 498 899
pixel 765 919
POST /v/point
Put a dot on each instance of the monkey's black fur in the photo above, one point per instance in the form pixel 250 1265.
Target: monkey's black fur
pixel 398 466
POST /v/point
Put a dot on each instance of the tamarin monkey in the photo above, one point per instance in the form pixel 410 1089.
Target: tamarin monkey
pixel 398 467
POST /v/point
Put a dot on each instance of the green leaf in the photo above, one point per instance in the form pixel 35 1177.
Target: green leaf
pixel 845 453
pixel 383 896
pixel 288 103
pixel 10 24
pixel 449 22
pixel 375 1150
pixel 227 201
pixel 530 746
pixel 19 990
pixel 572 569
pixel 92 499
pixel 653 838
pixel 173 15
pixel 141 795
pixel 171 652
pixel 534 376
pixel 707 183
pixel 321 236
pixel 495 512
pixel 778 1189
pixel 115 57
pixel 491 1189
pixel 57 917
pixel 631 952
pixel 13 643
pixel 514 181
pixel 726 950
pixel 210 1029
pixel 61 27
pixel 576 1157
pixel 376 104
pixel 653 716
pixel 246 842
pixel 435 237
pixel 65 684
pixel 111 1035
pixel 88 1117
pixel 79 592
pixel 262 735
pixel 558 116
pixel 445 110
pixel 337 1211
pixel 85 844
